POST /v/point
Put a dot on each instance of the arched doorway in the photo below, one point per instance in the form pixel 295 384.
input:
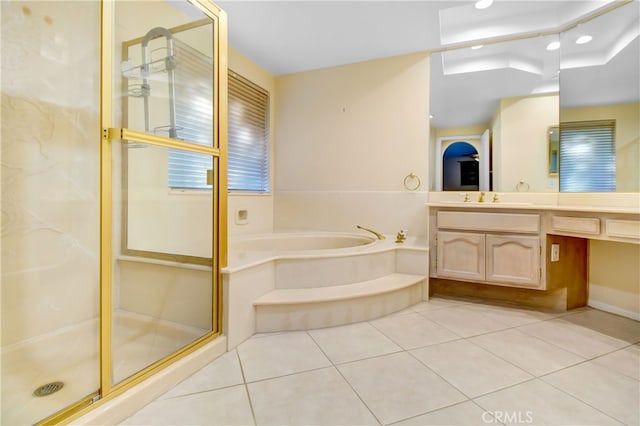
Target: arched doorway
pixel 480 143
pixel 460 167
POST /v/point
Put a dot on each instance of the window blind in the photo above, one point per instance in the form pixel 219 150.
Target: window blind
pixel 248 136
pixel 588 156
pixel 194 117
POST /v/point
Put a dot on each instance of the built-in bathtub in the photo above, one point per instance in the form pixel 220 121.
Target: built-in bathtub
pixel 318 269
pixel 299 242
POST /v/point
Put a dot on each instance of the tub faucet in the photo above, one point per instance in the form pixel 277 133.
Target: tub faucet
pixel 377 234
pixel 481 198
pixel 402 235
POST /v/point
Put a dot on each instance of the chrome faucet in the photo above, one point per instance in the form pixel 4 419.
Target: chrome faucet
pixel 377 234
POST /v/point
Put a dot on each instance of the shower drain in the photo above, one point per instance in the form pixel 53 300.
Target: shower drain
pixel 48 389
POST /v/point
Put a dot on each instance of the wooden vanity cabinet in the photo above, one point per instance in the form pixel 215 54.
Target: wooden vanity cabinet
pixel 513 260
pixel 470 247
pixel 461 255
pixel 532 255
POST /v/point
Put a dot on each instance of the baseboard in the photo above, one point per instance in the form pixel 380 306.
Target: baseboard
pixel 614 310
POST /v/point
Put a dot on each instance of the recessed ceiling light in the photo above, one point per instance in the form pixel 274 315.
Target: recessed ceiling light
pixel 483 4
pixel 554 45
pixel 478 46
pixel 584 39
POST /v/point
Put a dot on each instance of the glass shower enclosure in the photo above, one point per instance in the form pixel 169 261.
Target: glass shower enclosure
pixel 110 268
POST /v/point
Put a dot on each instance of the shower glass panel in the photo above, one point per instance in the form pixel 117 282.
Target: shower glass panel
pixel 162 250
pixel 167 71
pixel 50 198
pixel 160 305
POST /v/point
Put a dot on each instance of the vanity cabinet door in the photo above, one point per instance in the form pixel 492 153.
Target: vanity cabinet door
pixel 461 255
pixel 513 260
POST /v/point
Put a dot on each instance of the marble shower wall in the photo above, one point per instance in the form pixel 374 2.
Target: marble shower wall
pixel 50 161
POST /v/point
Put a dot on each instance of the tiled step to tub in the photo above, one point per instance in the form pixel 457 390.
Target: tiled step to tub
pixel 311 272
pixel 309 308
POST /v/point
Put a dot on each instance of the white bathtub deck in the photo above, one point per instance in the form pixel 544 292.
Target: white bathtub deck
pixel 387 284
pixel 269 291
pixel 309 308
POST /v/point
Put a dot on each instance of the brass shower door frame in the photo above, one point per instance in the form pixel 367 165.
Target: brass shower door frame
pixel 218 151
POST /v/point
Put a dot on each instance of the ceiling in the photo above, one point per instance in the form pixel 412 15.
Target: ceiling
pixel 292 36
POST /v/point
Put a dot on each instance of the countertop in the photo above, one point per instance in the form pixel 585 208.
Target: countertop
pixel 530 206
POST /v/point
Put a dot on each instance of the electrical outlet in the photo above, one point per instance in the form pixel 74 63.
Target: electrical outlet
pixel 555 252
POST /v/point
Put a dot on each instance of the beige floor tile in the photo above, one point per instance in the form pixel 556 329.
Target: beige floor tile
pixel 397 386
pixel 413 330
pixel 613 393
pixel 353 342
pixel 468 367
pixel 280 354
pixel 625 361
pixel 319 397
pixel 403 311
pixel 436 303
pixel 577 339
pixel 223 372
pixel 465 320
pixel 511 315
pixel 539 403
pixel 605 323
pixel 228 406
pixel 463 414
pixel 292 380
pixel 533 355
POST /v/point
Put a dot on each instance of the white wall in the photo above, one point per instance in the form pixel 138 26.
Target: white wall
pixel 520 132
pixel 258 206
pixel 614 277
pixel 346 138
pixel 50 167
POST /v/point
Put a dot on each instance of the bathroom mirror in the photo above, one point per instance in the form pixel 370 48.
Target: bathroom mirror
pixel 599 84
pixel 498 87
pixel 598 80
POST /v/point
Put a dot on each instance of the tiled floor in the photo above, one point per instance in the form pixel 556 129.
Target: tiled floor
pixel 445 362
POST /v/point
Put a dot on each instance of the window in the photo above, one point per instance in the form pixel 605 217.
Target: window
pixel 248 136
pixel 193 117
pixel 588 156
pixel 248 143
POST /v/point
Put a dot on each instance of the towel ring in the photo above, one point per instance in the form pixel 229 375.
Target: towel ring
pixel 522 186
pixel 407 182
